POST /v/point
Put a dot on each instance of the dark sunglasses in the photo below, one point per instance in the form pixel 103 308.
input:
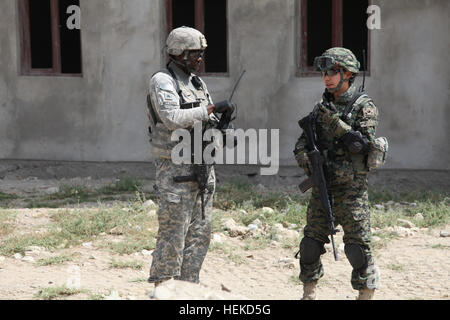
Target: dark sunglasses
pixel 330 72
pixel 196 54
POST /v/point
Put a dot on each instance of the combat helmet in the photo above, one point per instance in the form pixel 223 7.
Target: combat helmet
pixel 185 38
pixel 337 56
pixel 341 57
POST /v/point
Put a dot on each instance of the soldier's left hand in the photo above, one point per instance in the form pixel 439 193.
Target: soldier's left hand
pixel 332 120
pixel 224 107
pixel 327 115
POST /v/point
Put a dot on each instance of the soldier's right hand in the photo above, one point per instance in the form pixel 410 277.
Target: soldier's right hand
pixel 302 160
pixel 224 107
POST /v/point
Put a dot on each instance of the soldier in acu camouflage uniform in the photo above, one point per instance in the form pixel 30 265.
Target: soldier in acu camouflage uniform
pixel 179 99
pixel 345 140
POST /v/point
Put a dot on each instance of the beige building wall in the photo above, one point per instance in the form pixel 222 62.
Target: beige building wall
pixel 101 116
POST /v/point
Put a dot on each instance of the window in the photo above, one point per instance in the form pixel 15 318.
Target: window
pixel 210 18
pixel 48 46
pixel 332 23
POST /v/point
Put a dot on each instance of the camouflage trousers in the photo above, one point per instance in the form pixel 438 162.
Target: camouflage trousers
pixel 351 211
pixel 183 235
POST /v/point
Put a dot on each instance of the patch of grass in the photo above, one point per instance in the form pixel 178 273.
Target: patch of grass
pixel 136 225
pixel 290 243
pixel 216 221
pixel 6 199
pixel 293 214
pixel 73 227
pixel 124 184
pixel 76 194
pixel 409 197
pixel 258 242
pixel 385 237
pixel 5 229
pixel 5 226
pixel 53 260
pixel 135 265
pixel 233 197
pixel 239 195
pixel 7 196
pixel 57 292
pixel 133 244
pixel 381 219
pixel 434 207
pixel 72 191
pixel 248 218
pixel 229 252
pixel 18 244
pixel 434 213
pixel 83 224
pixel 67 195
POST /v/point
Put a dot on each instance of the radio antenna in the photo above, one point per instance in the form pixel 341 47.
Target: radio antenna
pixel 236 85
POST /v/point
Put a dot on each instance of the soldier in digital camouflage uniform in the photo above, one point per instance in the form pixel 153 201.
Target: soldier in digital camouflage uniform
pixel 179 99
pixel 346 174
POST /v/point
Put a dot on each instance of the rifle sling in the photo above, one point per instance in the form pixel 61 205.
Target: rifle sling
pixel 349 108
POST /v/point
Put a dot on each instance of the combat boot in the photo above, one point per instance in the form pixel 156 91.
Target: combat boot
pixel 158 283
pixel 309 290
pixel 366 294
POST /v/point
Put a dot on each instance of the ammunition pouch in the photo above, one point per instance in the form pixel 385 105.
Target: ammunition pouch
pixel 378 152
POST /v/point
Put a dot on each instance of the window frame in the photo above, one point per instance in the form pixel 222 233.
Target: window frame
pixel 337 37
pixel 199 11
pixel 25 43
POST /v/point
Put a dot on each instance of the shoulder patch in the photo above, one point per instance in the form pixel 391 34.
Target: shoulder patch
pixel 369 111
pixel 163 81
pixel 365 107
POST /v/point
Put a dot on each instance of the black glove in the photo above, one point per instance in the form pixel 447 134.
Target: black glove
pixel 356 142
pixel 224 107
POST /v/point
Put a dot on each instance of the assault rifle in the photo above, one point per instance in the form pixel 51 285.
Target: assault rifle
pixel 200 175
pixel 317 174
pixel 202 171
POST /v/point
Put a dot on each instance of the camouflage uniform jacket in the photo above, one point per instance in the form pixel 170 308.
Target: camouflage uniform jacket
pixel 165 98
pixel 340 164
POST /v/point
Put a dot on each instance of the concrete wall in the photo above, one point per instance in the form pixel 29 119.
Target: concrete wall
pixel 101 116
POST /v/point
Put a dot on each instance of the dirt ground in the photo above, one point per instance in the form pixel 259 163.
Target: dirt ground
pixel 412 267
pixel 415 267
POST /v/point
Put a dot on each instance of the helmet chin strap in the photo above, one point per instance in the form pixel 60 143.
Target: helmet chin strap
pixel 182 64
pixel 341 82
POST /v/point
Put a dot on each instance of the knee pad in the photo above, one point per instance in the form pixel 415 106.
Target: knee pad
pixel 356 256
pixel 310 250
